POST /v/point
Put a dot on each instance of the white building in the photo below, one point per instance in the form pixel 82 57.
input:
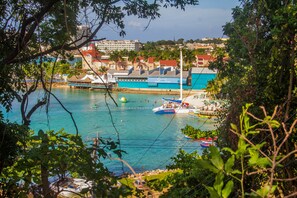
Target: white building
pixel 113 45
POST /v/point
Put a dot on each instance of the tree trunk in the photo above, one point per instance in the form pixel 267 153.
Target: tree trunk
pixel 46 191
pixel 288 147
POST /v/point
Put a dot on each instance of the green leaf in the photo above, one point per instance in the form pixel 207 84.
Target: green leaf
pixel 53 138
pixel 213 193
pixel 263 162
pixel 264 191
pixel 254 157
pixel 236 172
pixel 229 150
pixel 234 127
pixel 216 158
pixel 219 183
pixel 227 189
pixel 255 160
pixel 258 146
pixel 252 132
pixel 229 164
pixel 274 124
pixel 206 165
pixel 246 120
pixel 248 105
pixel 242 147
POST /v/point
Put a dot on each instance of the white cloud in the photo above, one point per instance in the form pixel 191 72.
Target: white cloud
pixel 134 24
pixel 204 20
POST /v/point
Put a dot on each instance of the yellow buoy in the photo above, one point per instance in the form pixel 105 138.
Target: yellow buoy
pixel 123 99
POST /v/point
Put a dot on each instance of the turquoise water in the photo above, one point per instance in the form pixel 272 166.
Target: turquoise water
pixel 150 140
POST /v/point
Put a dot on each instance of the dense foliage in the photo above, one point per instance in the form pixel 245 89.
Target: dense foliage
pixel 259 155
pixel 58 155
pixel 262 58
pixel 30 32
pixel 198 133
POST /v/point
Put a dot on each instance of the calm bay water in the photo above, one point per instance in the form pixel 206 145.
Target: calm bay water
pixel 150 140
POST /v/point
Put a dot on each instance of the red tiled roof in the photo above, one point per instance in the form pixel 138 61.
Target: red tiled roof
pixel 92 51
pixel 151 59
pixel 168 63
pixel 138 59
pixel 205 57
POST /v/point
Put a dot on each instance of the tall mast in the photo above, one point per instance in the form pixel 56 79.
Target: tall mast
pixel 181 74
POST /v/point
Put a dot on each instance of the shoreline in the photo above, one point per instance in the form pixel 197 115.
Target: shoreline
pixel 148 173
pixel 132 90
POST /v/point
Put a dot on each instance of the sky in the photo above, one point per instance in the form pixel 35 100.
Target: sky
pixel 196 22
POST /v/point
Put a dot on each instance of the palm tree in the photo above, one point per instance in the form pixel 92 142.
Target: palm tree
pixel 103 70
pixel 132 57
pixel 188 58
pixel 116 57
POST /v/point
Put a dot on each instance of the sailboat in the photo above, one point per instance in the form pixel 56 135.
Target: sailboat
pixel 172 106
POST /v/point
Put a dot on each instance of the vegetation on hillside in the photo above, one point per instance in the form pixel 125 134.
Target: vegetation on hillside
pixel 257 141
pixel 30 32
pixel 256 156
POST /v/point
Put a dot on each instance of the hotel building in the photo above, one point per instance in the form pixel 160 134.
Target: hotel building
pixel 113 45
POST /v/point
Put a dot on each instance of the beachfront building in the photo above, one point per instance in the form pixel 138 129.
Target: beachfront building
pixel 151 74
pixel 204 60
pixel 118 45
pixel 199 77
pixel 159 78
pixel 168 64
pixel 195 79
pixel 91 57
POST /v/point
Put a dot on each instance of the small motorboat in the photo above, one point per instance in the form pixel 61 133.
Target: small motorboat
pixel 188 137
pixel 207 144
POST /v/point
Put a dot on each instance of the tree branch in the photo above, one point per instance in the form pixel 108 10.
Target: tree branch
pixel 66 47
pixel 288 179
pixel 23 37
pixel 251 143
pixel 70 113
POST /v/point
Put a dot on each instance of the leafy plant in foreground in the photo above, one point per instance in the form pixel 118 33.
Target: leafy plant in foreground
pixel 263 160
pixel 59 155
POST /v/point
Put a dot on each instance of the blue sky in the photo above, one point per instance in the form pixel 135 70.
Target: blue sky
pixel 204 20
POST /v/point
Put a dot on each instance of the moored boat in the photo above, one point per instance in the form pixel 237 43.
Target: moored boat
pixel 208 138
pixel 207 144
pixel 172 106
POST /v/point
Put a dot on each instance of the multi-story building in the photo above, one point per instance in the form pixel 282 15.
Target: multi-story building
pixel 91 58
pixel 204 60
pixel 113 45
